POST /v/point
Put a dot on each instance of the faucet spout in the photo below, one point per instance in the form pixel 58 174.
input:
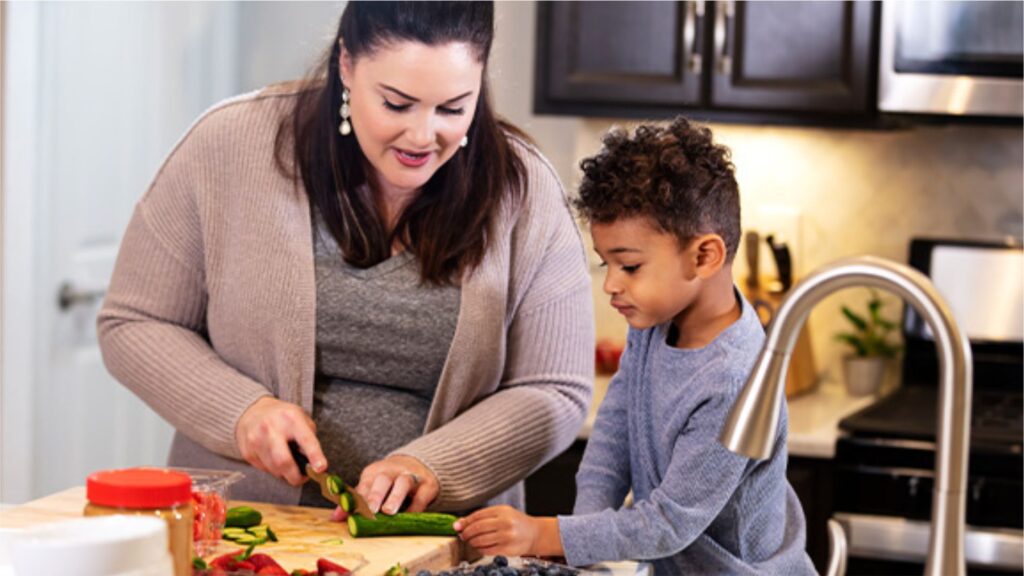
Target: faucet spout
pixel 752 424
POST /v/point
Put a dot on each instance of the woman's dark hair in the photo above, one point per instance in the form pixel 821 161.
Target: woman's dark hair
pixel 448 225
pixel 674 175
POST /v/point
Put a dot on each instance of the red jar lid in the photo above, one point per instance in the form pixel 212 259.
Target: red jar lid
pixel 138 488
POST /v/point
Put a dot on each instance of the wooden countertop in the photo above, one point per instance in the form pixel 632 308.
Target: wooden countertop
pixel 304 534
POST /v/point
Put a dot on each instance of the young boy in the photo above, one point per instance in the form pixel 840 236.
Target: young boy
pixel 663 208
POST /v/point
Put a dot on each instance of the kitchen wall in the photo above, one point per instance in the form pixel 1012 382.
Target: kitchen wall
pixel 833 192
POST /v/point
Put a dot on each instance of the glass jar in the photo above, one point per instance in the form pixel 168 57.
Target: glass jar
pixel 165 494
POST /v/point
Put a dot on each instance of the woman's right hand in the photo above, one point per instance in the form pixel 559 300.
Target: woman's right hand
pixel 263 432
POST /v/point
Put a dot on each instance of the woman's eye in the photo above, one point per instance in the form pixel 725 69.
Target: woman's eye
pixel 451 111
pixel 630 269
pixel 396 107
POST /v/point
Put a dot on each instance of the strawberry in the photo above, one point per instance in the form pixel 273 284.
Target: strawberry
pixel 325 567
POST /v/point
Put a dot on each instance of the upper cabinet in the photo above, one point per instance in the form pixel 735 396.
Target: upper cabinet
pixel 656 58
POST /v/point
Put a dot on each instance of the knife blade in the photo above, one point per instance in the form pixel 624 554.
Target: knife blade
pixel 325 480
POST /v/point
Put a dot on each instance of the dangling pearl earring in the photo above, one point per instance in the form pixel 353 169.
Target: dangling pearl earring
pixel 345 128
pixel 464 142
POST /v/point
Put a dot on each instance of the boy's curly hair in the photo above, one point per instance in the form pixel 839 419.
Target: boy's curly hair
pixel 674 175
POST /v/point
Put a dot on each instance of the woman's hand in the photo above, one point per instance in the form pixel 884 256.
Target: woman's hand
pixel 263 432
pixel 505 530
pixel 387 483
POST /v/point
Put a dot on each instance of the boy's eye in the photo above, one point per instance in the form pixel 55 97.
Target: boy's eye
pixel 396 107
pixel 451 111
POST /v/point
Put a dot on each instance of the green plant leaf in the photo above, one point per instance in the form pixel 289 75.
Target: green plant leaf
pixel 854 341
pixel 859 322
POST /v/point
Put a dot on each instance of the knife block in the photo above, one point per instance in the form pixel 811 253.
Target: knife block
pixel 802 375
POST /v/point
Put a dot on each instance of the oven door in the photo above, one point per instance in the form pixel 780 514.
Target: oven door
pixel 873 540
pixel 947 57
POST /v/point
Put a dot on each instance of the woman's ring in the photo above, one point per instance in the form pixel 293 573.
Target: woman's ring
pixel 415 479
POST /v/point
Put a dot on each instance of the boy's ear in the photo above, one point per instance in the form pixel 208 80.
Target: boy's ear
pixel 709 254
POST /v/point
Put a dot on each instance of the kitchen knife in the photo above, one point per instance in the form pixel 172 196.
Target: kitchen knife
pixel 326 480
pixel 783 261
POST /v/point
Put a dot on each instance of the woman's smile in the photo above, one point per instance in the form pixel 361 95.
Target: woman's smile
pixel 411 159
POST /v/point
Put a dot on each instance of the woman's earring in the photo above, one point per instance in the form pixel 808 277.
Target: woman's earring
pixel 345 128
pixel 464 142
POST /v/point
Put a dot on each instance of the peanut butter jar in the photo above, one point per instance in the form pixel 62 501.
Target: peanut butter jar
pixel 165 494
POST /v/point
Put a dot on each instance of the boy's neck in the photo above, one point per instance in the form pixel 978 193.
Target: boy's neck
pixel 713 310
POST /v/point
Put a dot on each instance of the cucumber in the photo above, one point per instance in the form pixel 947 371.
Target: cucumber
pixel 335 485
pixel 403 523
pixel 242 517
pixel 246 539
pixel 346 502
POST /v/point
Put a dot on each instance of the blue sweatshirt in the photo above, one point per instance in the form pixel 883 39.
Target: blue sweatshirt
pixel 698 508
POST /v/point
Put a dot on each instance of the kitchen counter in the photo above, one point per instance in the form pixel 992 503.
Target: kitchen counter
pixel 813 417
pixel 305 534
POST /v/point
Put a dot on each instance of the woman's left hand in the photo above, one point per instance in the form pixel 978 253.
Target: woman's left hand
pixel 387 483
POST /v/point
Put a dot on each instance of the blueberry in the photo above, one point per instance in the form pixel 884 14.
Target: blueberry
pixel 494 573
pixel 500 561
pixel 423 573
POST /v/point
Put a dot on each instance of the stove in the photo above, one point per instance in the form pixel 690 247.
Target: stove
pixel 885 458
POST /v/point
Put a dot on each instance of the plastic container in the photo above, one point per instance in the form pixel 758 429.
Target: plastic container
pixel 211 490
pixel 155 492
pixel 107 546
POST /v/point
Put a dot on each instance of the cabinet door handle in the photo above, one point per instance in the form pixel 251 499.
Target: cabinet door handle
pixel 724 11
pixel 691 40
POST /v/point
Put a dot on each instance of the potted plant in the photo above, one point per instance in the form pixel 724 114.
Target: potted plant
pixel 865 366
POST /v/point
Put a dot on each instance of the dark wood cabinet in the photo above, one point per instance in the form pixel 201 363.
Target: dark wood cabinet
pixel 813 481
pixel 656 59
pixel 551 490
pixel 621 52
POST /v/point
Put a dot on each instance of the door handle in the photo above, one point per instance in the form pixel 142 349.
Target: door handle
pixel 724 11
pixel 69 296
pixel 691 40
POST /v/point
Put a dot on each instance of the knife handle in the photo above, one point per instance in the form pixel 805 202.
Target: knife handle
pixel 300 459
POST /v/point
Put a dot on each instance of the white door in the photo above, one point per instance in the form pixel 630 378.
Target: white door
pixel 99 93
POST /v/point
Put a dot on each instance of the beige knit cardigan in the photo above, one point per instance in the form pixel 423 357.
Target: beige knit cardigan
pixel 212 305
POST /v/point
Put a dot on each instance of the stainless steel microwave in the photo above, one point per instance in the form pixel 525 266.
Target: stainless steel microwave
pixel 946 57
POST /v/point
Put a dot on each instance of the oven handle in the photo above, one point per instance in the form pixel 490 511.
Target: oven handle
pixel 895 538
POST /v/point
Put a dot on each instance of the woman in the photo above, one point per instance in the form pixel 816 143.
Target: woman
pixel 368 263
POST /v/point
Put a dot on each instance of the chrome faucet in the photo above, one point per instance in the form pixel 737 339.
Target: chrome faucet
pixel 753 422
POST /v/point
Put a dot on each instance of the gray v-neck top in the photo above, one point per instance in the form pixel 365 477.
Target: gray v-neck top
pixel 382 338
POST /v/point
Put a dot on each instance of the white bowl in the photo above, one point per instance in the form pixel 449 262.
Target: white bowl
pixel 95 546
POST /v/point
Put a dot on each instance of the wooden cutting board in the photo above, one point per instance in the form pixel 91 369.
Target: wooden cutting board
pixel 304 535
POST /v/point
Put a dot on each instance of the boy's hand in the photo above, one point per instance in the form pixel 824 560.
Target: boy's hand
pixel 505 530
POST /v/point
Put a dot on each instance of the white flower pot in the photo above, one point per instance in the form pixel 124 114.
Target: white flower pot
pixel 863 374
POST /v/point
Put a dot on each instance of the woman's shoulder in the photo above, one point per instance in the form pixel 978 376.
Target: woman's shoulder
pixel 246 115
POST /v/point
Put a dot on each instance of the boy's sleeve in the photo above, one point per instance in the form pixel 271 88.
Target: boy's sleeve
pixel 603 479
pixel 701 478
